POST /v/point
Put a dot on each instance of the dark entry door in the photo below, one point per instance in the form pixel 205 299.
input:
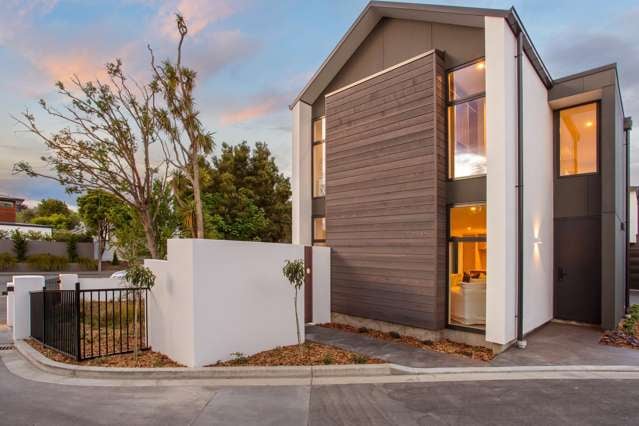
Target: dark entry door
pixel 578 269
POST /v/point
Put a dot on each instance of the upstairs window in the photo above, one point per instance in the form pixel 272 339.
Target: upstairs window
pixel 578 140
pixel 466 121
pixel 319 231
pixel 319 157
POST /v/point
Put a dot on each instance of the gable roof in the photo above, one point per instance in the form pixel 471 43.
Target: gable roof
pixel 376 10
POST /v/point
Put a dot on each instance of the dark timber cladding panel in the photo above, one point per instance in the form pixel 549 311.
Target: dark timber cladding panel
pixel 385 195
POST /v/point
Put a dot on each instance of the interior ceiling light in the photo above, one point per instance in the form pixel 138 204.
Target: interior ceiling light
pixel 480 65
pixel 588 123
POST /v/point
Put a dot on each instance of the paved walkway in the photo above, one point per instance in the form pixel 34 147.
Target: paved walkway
pixel 553 344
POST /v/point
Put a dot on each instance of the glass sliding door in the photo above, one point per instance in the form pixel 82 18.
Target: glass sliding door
pixel 467 266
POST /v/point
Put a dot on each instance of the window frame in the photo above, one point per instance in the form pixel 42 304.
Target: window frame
pixel 452 103
pixel 313 144
pixel 450 239
pixel 557 148
pixel 313 239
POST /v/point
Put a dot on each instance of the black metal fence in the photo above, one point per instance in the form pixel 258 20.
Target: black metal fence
pixel 86 324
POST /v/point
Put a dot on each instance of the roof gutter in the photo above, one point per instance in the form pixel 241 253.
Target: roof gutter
pixel 521 343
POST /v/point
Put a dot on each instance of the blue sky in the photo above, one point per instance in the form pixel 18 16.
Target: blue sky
pixel 253 56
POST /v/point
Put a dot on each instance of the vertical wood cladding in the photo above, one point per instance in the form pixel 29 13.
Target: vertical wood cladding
pixel 385 195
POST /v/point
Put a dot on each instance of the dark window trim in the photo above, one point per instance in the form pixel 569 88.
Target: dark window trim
pixel 313 143
pixel 448 240
pixel 450 103
pixel 557 125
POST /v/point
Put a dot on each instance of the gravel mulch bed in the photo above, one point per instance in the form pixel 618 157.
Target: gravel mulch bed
pixel 621 338
pixel 146 359
pixel 445 346
pixel 311 353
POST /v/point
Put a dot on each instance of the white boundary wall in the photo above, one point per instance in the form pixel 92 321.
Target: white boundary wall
pixel 215 297
pixel 22 285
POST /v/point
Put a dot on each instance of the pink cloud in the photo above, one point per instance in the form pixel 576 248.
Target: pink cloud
pixel 260 106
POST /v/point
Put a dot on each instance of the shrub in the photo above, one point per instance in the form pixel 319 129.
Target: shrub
pixel 87 263
pixel 72 248
pixel 634 311
pixel 394 335
pixel 4 234
pixel 362 330
pixel 37 236
pixel 19 245
pixel 328 359
pixel 115 261
pixel 47 262
pixel 360 359
pixel 7 261
pixel 239 358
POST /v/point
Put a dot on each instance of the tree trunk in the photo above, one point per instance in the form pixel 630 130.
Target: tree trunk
pixel 149 233
pixel 199 215
pixel 297 321
pixel 101 247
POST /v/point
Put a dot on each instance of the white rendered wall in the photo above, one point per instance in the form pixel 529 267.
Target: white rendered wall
pixel 321 284
pixel 215 297
pixel 171 304
pixel 633 217
pixel 243 303
pixel 25 228
pixel 538 201
pixel 22 285
pixel 501 196
pixel 301 182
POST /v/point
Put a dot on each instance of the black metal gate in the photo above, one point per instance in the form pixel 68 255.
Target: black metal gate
pixel 87 324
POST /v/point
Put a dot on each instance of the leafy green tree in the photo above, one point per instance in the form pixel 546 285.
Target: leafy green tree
pixel 50 206
pixel 138 276
pixel 244 194
pixel 293 271
pixel 184 138
pixel 95 210
pixel 20 245
pixel 128 236
pixel 104 142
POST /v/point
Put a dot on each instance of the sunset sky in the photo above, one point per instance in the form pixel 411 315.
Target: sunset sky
pixel 252 57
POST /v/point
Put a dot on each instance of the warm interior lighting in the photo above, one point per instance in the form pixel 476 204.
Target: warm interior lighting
pixel 473 209
pixel 480 65
pixel 588 123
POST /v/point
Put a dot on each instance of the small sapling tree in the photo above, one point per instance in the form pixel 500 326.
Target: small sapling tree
pixel 294 272
pixel 138 276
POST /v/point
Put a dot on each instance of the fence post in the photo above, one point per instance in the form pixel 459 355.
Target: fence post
pixel 78 352
pixel 44 314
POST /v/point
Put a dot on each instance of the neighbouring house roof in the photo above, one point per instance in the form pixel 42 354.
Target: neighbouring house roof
pixel 25 225
pixel 8 198
pixel 376 10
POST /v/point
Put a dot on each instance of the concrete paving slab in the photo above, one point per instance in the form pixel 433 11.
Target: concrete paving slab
pixel 566 344
pixel 257 406
pixel 396 353
pixel 552 344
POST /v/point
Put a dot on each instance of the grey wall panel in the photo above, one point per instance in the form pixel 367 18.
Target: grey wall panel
pixel 604 193
pixel 395 40
pixel 472 190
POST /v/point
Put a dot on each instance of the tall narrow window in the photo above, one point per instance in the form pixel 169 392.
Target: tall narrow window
pixel 466 121
pixel 319 231
pixel 319 157
pixel 467 266
pixel 578 140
